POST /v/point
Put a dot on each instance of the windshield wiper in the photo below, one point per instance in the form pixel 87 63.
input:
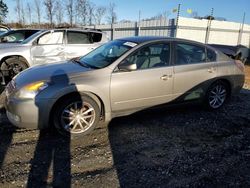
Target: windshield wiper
pixel 80 63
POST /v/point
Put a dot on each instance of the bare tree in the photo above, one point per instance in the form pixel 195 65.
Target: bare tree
pixel 29 12
pixel 3 11
pixel 112 16
pixel 59 11
pixel 91 10
pixel 18 11
pixel 82 10
pixel 70 11
pixel 22 14
pixel 49 6
pixel 99 14
pixel 38 11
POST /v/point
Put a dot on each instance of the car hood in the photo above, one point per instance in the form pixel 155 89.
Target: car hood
pixel 50 72
pixel 10 45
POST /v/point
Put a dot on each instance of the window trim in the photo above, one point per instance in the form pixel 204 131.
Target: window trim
pixel 207 48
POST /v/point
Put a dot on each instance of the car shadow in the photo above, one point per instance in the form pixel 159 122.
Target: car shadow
pixel 6 130
pixel 6 136
pixel 181 146
pixel 52 151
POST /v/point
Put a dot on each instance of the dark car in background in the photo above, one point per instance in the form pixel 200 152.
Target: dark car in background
pixel 238 52
pixel 17 36
pixel 4 29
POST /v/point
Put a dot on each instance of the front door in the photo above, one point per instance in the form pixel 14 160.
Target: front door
pixel 151 84
pixel 49 48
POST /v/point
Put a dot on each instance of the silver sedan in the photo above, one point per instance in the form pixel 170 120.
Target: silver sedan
pixel 119 78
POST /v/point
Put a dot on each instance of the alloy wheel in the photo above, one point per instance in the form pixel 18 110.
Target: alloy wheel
pixel 78 117
pixel 217 96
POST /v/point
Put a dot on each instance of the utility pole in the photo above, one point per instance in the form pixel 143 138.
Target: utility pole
pixel 209 26
pixel 177 19
pixel 241 29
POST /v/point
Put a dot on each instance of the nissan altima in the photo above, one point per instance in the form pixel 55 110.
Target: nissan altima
pixel 119 78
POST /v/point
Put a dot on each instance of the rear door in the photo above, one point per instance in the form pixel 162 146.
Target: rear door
pixel 78 44
pixel 194 67
pixel 49 48
pixel 151 84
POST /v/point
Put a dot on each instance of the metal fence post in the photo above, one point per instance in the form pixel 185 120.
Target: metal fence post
pixel 137 28
pixel 241 30
pixel 139 25
pixel 209 26
pixel 112 31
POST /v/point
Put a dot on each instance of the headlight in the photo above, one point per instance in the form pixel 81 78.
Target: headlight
pixel 31 90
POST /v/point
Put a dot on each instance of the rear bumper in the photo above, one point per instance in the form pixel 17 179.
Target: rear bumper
pixel 239 81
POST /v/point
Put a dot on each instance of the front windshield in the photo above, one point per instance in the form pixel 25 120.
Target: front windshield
pixel 32 37
pixel 107 53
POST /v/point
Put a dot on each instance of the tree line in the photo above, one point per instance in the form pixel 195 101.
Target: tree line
pixel 56 13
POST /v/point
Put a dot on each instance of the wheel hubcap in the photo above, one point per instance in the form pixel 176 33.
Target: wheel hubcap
pixel 78 117
pixel 217 96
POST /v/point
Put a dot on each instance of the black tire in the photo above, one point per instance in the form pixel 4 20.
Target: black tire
pixel 216 96
pixel 76 106
pixel 13 65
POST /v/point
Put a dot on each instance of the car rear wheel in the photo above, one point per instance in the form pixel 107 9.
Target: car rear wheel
pixel 76 116
pixel 216 95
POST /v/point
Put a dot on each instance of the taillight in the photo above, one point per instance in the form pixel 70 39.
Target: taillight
pixel 240 65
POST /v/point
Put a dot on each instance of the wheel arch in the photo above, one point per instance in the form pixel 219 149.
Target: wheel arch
pixel 14 56
pixel 93 96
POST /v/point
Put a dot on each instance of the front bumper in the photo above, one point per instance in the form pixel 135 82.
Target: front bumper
pixel 28 113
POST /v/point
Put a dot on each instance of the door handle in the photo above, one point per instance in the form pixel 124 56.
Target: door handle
pixel 211 70
pixel 166 77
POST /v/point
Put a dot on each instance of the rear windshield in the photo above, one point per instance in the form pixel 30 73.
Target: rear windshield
pixel 223 57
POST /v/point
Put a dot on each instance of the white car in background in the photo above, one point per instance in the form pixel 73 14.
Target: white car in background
pixel 47 46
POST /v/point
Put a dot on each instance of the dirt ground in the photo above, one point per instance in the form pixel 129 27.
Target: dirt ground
pixel 184 146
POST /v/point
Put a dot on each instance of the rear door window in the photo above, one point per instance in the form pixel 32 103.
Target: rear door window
pixel 189 54
pixel 75 37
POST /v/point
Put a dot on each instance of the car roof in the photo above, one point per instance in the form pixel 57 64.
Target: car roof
pixel 76 29
pixel 143 39
pixel 17 30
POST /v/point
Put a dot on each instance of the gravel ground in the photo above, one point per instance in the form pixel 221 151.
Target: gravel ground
pixel 184 146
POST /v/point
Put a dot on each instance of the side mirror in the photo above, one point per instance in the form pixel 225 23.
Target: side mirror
pixel 127 66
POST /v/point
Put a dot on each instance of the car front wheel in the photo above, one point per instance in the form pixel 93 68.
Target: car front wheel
pixel 76 116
